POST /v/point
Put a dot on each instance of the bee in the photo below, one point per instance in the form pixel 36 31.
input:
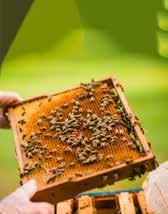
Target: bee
pixel 90 93
pixel 52 152
pixel 68 149
pixel 88 150
pixel 48 157
pixel 107 112
pixel 133 146
pixel 128 160
pixel 51 179
pixel 23 113
pixel 65 105
pixel 37 165
pixel 26 165
pixel 92 99
pixel 82 158
pixel 40 157
pixel 49 117
pixel 62 165
pixel 48 135
pixel 94 151
pixel 43 128
pixel 23 108
pixel 142 130
pixel 93 158
pixel 102 108
pixel 124 139
pixel 119 85
pixel 23 137
pixel 109 165
pixel 100 156
pixel 86 161
pixel 120 132
pixel 59 159
pixel 114 140
pixel 49 98
pixel 116 131
pixel 72 164
pixel 39 122
pixel 103 139
pixel 23 146
pixel 102 105
pixel 81 96
pixel 22 175
pixel 109 157
pixel 38 133
pixel 78 174
pixel 32 135
pixel 22 121
pixel 77 103
pixel 42 116
pixel 29 155
pixel 103 144
pixel 70 178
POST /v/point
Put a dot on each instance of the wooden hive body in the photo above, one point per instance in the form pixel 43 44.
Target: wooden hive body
pixel 108 203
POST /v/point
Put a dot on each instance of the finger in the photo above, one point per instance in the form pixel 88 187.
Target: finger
pixel 43 207
pixel 29 188
pixel 7 98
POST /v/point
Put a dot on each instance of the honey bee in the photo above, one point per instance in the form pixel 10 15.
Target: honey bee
pixel 78 174
pixel 51 179
pixel 22 121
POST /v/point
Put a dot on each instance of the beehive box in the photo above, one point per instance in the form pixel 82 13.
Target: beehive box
pixel 106 203
pixel 78 139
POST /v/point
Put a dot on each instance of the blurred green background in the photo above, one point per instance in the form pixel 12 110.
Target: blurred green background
pixel 63 43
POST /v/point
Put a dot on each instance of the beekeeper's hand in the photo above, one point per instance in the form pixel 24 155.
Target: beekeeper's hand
pixel 19 202
pixel 6 99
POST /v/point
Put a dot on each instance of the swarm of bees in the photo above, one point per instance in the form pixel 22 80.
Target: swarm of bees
pixel 82 132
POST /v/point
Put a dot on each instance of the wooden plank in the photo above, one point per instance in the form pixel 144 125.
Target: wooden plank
pixel 142 203
pixel 126 203
pixel 65 207
pixel 86 205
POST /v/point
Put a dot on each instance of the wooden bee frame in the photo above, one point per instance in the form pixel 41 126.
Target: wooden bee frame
pixel 95 175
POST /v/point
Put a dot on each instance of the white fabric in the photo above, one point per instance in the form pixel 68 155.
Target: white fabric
pixel 19 202
pixel 156 189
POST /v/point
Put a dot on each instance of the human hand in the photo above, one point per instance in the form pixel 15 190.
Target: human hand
pixel 6 99
pixel 19 202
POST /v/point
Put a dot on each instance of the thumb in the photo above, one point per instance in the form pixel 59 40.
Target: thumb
pixel 28 189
